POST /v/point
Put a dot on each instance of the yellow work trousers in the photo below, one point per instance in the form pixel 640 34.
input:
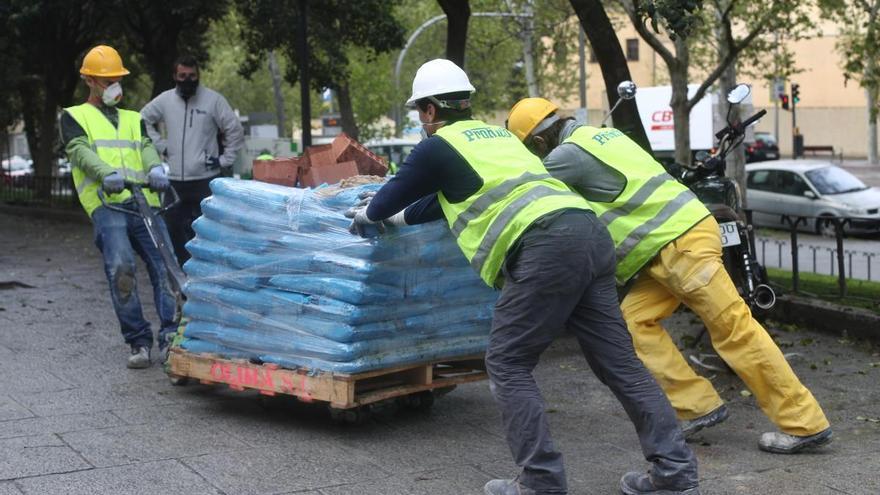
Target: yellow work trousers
pixel 689 270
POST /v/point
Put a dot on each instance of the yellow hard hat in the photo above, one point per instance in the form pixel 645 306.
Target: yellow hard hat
pixel 525 116
pixel 103 61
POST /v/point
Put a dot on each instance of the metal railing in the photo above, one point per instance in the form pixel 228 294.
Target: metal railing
pixel 840 262
pixel 34 190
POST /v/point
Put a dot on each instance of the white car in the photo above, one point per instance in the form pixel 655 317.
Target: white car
pixel 814 189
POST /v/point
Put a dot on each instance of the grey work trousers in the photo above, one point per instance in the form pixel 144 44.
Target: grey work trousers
pixel 561 275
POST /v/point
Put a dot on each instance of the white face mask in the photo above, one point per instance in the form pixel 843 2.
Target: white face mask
pixel 424 133
pixel 112 94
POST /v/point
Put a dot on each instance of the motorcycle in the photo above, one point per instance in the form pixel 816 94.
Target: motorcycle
pixel 723 198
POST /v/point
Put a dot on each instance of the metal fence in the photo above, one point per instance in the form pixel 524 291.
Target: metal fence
pixel 32 190
pixel 858 261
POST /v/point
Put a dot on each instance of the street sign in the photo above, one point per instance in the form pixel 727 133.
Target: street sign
pixel 778 89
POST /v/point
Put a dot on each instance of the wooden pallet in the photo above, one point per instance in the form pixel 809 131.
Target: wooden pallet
pixel 340 390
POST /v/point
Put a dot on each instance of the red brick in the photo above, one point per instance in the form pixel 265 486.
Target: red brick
pixel 282 171
pixel 319 155
pixel 345 148
pixel 328 174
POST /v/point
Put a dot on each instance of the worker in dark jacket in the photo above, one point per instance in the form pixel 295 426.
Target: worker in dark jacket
pixel 526 232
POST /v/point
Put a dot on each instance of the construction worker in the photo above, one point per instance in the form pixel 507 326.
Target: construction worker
pixel 664 235
pixel 265 155
pixel 527 233
pixel 196 120
pixel 107 146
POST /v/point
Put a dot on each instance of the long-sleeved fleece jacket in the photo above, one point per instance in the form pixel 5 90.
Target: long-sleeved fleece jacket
pixel 191 132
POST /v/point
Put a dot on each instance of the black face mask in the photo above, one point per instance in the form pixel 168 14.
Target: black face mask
pixel 187 88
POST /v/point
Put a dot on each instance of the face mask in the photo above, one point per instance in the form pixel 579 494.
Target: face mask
pixel 424 133
pixel 112 94
pixel 187 88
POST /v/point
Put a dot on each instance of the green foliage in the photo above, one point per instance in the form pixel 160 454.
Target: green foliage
pixel 859 41
pixel 158 31
pixel 860 293
pixel 343 37
pixel 246 94
pixel 677 17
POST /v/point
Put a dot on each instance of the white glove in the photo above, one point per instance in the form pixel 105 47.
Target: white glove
pixel 359 221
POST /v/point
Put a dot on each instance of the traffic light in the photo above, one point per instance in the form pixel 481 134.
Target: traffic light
pixel 784 100
pixel 795 92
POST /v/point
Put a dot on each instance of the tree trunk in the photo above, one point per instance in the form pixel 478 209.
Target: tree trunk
pixel 346 111
pixel 160 67
pixel 736 160
pixel 40 126
pixel 458 12
pixel 612 62
pixel 681 113
pixel 279 97
pixel 872 126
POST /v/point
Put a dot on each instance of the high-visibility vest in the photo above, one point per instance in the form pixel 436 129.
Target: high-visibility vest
pixel 653 209
pixel 119 147
pixel 516 191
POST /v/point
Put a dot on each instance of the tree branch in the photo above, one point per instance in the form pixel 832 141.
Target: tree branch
pixel 735 49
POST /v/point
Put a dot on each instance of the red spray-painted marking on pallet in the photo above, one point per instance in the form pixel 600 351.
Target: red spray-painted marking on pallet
pixel 239 377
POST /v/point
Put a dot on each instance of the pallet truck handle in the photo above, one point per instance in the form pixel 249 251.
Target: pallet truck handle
pixel 135 188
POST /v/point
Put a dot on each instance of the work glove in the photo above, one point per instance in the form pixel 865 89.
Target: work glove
pixel 113 183
pixel 359 221
pixel 358 214
pixel 157 178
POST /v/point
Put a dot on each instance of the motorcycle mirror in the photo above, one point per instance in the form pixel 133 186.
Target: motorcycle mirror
pixel 626 90
pixel 739 93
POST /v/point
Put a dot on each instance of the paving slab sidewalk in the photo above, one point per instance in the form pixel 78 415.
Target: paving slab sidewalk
pixel 74 420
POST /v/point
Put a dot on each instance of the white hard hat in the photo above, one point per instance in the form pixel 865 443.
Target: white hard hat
pixel 437 77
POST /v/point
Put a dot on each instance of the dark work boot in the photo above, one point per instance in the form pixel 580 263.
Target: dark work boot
pixel 691 426
pixel 783 443
pixel 506 487
pixel 634 483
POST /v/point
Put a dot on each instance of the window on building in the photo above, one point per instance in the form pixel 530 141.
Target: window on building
pixel 632 50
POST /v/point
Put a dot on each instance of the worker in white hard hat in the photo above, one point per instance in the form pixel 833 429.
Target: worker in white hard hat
pixel 526 233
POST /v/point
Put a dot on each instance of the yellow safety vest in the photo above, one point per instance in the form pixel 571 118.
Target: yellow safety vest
pixel 516 191
pixel 652 210
pixel 119 147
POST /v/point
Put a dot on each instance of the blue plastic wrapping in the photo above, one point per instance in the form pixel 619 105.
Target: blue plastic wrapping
pixel 276 277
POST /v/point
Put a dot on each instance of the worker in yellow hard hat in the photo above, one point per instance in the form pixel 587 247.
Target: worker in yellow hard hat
pixel 108 146
pixel 663 234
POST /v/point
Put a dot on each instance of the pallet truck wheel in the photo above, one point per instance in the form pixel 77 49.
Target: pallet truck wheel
pixel 353 416
pixel 421 401
pixel 179 381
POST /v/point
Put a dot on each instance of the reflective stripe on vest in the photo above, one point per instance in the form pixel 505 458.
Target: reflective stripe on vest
pixel 492 196
pixel 652 210
pixel 118 146
pixel 516 191
pixel 115 143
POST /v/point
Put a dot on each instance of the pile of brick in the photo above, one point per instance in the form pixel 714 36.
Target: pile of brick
pixel 322 164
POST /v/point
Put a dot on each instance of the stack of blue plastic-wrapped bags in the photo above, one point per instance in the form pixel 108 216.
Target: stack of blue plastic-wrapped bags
pixel 275 276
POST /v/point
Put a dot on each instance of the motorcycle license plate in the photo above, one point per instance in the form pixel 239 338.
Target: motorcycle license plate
pixel 729 234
